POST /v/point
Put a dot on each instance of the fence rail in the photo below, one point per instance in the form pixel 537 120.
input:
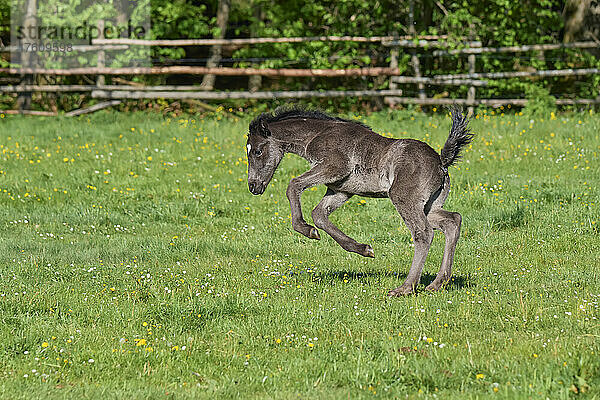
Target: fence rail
pixel 206 95
pixel 223 71
pixel 121 44
pixel 523 74
pixel 518 49
pixel 384 40
pixel 437 46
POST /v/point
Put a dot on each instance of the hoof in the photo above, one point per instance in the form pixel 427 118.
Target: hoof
pixel 314 234
pixel 401 291
pixel 434 286
pixel 368 251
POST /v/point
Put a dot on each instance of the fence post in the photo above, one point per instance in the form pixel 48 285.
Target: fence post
pixel 394 52
pixel 471 92
pixel 414 59
pixel 417 68
pixel 471 61
pixel 101 63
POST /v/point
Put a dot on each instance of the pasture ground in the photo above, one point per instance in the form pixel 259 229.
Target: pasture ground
pixel 134 263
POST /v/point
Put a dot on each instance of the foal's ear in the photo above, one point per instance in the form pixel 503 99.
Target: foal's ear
pixel 263 130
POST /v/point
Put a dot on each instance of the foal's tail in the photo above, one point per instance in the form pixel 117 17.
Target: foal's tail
pixel 460 136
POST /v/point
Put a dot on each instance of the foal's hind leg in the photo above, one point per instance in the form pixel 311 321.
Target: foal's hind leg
pixel 449 223
pixel 330 202
pixel 411 210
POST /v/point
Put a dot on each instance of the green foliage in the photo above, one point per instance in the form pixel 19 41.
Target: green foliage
pixel 300 18
pixel 179 19
pixel 4 18
pixel 539 101
pixel 4 30
pixel 64 24
pixel 499 23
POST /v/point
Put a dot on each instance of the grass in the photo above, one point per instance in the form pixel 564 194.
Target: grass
pixel 135 263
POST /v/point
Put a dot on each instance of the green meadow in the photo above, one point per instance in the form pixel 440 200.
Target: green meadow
pixel 134 263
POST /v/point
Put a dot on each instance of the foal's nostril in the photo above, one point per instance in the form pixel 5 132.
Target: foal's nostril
pixel 251 187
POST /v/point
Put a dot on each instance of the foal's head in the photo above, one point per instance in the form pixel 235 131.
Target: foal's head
pixel 264 155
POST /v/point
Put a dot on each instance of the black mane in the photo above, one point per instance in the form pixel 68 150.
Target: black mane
pixel 260 123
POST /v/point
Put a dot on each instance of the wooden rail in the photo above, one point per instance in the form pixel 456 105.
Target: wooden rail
pixel 206 95
pixel 77 47
pixel 487 102
pixel 246 41
pixel 223 71
pixel 522 74
pixel 517 49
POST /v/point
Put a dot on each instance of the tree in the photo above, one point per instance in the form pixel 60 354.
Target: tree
pixel 208 82
pixel 582 20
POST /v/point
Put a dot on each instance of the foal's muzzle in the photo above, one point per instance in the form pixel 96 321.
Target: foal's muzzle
pixel 256 187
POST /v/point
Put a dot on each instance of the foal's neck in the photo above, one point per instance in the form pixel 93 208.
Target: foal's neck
pixel 295 134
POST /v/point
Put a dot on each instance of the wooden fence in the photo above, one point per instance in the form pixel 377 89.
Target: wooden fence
pixel 438 46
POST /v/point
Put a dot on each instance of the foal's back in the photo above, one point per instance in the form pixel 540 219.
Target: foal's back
pixel 372 161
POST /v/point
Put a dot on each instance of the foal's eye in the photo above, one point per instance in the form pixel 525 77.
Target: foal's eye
pixel 257 152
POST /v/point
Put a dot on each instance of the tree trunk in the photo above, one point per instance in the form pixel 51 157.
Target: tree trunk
pixel 208 82
pixel 255 81
pixel 574 15
pixel 591 22
pixel 426 18
pixel 27 59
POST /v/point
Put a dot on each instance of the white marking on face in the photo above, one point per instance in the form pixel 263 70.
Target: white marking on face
pixel 249 148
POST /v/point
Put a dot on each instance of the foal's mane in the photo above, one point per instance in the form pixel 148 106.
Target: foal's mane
pixel 260 124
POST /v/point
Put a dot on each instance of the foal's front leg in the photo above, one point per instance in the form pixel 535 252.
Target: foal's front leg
pixel 321 174
pixel 331 202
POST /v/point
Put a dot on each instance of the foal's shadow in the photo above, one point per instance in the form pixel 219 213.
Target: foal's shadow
pixel 457 281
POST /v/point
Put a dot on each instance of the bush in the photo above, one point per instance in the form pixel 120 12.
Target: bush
pixel 539 101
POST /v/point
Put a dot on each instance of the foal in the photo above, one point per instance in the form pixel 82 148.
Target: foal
pixel 349 158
